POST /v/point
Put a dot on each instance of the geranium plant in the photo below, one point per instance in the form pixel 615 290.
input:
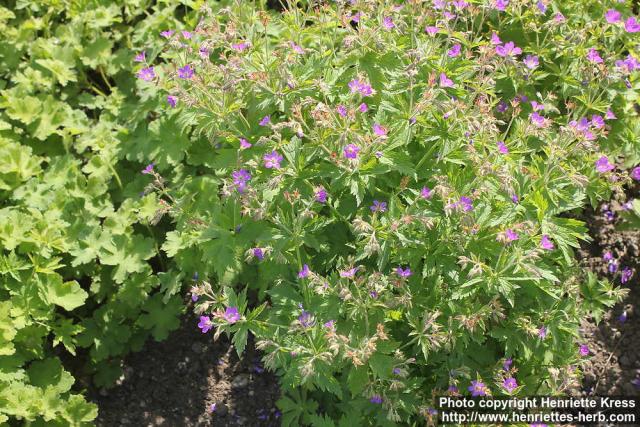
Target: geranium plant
pixel 379 191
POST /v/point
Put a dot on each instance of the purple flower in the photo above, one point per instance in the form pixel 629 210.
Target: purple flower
pixel 594 56
pixel 502 106
pixel 148 169
pixel 378 206
pixel 477 388
pixel 186 34
pixel 231 314
pixel 432 30
pixel 350 273
pixel 377 399
pixel 265 120
pixel 258 253
pixel 626 274
pixel 537 106
pixel 304 272
pixel 167 33
pixel 172 100
pixel 203 52
pixel 342 110
pixel 403 273
pixel 185 72
pixel 379 130
pixel 531 62
pixel 584 350
pixel 351 151
pixel 467 203
pixel 212 408
pixel 240 46
pixel 387 23
pixel 296 48
pixel 147 74
pixel 537 119
pixel 559 18
pixel 631 25
pixel 510 235
pixel 321 195
pixel 635 173
pixel 240 178
pixel 502 148
pixel 445 81
pixel 244 144
pixel 140 57
pixel 613 16
pixel 330 324
pixel 542 332
pixel 508 49
pixel 205 324
pixel 541 6
pixel 607 256
pixel 356 17
pixel 426 193
pixel 455 50
pixel 636 382
pixel 610 115
pixel 515 199
pixel 510 384
pixel 603 165
pixel 623 317
pixel 363 108
pixel 495 39
pixel 597 121
pixel 546 243
pixel 453 389
pixel 507 364
pixel 361 87
pixel 501 5
pixel 306 319
pixel 272 160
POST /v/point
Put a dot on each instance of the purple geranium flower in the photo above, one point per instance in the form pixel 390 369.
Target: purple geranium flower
pixel 350 273
pixel 172 100
pixel 361 87
pixel 477 388
pixel 445 81
pixel 240 178
pixel 495 40
pixel 205 324
pixel 502 148
pixel 186 34
pixel 404 273
pixel 377 399
pixel 342 110
pixel 542 332
pixel 147 74
pixel 623 317
pixel 351 151
pixel 265 120
pixel 603 165
pixel 508 49
pixel 379 130
pixel 244 144
pixel 203 52
pixel 258 253
pixel 363 108
pixel 432 30
pixel 387 23
pixel 426 193
pixel 594 56
pixel 304 272
pixel 296 48
pixel 510 235
pixel 635 173
pixel 185 72
pixel 467 203
pixel 455 50
pixel 240 46
pixel 507 364
pixel 148 169
pixel 510 384
pixel 321 195
pixel 231 314
pixel 167 33
pixel 631 25
pixel 140 57
pixel 613 16
pixel 541 6
pixel 531 61
pixel 584 350
pixel 626 274
pixel 306 319
pixel 537 119
pixel 378 206
pixel 546 243
pixel 272 160
pixel 501 5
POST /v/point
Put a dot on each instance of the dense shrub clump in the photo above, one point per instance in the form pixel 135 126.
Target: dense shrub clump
pixel 391 182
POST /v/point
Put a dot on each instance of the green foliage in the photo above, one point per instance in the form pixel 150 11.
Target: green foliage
pixel 79 267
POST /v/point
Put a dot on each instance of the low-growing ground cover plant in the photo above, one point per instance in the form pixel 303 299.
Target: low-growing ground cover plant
pixel 81 276
pixel 382 194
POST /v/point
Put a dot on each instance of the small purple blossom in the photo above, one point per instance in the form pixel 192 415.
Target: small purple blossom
pixel 351 151
pixel 625 274
pixel 537 119
pixel 240 46
pixel 542 332
pixel 296 48
pixel 306 319
pixel 265 120
pixel 508 50
pixel 244 144
pixel 477 388
pixel 149 169
pixel 612 16
pixel 363 108
pixel 304 272
pixel 404 273
pixel 632 25
pixel 185 72
pixel 231 314
pixel 240 178
pixel 607 256
pixel 167 33
pixel 445 81
pixel 623 317
pixel 467 203
pixel 541 6
pixel 507 364
pixel 546 243
pixel 272 160
pixel 594 56
pixel 502 147
pixel 559 18
pixel 635 173
pixel 502 106
pixel 510 235
pixel 501 5
pixel 258 253
pixel 584 350
pixel 342 110
pixel 379 130
pixel 330 324
pixel 377 399
pixel 455 50
pixel 426 193
pixel 378 206
pixel 147 74
pixel 172 100
pixel 203 52
pixel 515 199
pixel 140 57
pixel 495 40
pixel 350 273
pixel 387 23
pixel 603 165
pixel 205 324
pixel 510 384
pixel 361 87
pixel 537 106
pixel 432 30
pixel 320 195
pixel 610 115
pixel 531 62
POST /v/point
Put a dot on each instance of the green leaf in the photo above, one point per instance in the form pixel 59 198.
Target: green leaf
pixel 68 295
pixel 161 318
pixel 60 70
